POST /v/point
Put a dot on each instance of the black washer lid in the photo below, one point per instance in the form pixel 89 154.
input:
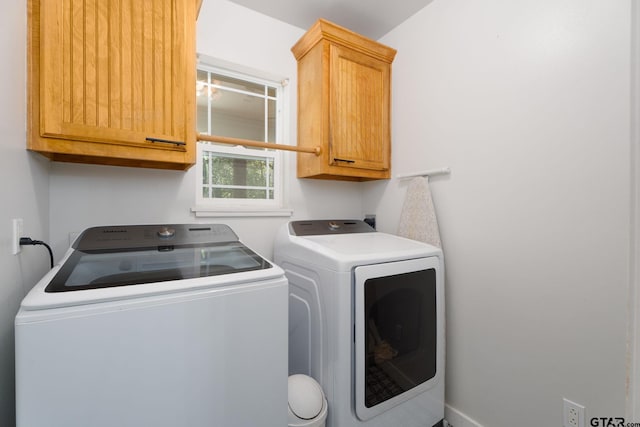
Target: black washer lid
pixel 105 257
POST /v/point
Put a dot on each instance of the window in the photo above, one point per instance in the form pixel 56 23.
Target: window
pixel 239 105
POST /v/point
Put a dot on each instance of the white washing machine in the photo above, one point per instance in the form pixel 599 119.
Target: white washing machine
pixel 163 326
pixel 366 320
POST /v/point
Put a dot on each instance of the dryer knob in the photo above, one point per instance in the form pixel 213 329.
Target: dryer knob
pixel 334 225
pixel 166 232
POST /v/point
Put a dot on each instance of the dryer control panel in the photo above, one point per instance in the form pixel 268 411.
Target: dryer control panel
pixel 329 226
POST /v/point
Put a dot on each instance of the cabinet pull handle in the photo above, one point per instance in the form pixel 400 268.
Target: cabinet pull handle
pixel 335 159
pixel 165 141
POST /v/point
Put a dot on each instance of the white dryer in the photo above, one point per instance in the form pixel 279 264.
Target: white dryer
pixel 366 320
pixel 148 325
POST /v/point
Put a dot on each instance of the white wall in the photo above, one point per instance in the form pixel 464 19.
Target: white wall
pixel 24 190
pixel 528 103
pixel 85 195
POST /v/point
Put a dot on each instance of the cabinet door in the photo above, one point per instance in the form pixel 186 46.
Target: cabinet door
pixel 359 110
pixel 116 71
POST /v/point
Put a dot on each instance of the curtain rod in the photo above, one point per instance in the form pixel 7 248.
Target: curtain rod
pixel 431 172
pixel 258 144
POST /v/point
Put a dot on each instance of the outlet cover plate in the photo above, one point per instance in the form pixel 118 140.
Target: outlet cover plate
pixel 18 226
pixel 573 414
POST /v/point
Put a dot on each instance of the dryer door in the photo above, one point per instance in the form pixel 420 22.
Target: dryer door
pixel 399 323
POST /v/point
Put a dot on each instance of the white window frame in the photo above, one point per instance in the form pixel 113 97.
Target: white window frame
pixel 209 207
pixel 238 151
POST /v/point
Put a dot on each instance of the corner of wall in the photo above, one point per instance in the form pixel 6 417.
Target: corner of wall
pixel 633 348
pixel 455 418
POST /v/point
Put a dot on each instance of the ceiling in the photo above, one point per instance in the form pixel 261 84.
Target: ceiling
pixel 371 18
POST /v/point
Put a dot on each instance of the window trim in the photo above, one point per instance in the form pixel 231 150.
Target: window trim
pixel 239 207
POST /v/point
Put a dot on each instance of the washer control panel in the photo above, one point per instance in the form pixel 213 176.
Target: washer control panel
pixel 137 236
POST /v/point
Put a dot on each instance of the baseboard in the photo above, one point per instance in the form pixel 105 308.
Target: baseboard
pixel 456 418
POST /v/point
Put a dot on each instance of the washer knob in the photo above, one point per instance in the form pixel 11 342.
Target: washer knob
pixel 333 225
pixel 166 232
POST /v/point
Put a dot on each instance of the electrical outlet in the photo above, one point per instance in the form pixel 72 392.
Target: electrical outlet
pixel 18 225
pixel 371 220
pixel 573 414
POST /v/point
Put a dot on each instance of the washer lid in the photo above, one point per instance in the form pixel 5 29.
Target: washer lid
pixel 106 257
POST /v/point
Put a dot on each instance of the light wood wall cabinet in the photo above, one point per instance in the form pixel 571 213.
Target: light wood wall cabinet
pixel 344 90
pixel 112 81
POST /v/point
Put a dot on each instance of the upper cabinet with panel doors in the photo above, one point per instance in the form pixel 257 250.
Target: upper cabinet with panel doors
pixel 112 82
pixel 344 90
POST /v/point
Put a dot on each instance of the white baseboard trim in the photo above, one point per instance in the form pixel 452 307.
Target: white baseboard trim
pixel 456 418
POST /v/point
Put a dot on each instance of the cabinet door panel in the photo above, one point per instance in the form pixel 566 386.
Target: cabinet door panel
pixel 359 116
pixel 114 70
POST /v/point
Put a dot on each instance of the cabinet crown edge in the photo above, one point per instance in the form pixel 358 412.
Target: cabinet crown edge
pixel 326 30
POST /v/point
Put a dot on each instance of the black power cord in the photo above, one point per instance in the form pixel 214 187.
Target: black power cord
pixel 29 241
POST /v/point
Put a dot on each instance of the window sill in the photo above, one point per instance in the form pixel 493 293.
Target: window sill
pixel 210 212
